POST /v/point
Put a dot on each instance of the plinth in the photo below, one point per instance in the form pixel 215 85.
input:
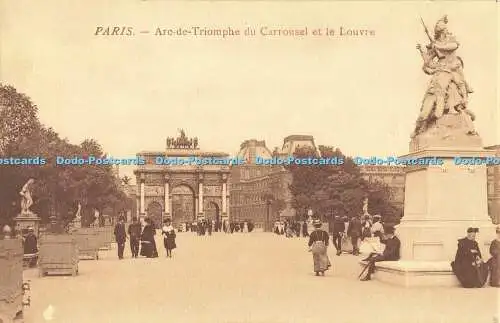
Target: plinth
pixel 26 220
pixel 441 201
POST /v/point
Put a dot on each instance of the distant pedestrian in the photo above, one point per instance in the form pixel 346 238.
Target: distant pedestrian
pixel 134 232
pixel 305 232
pixel 355 231
pixel 338 233
pixel 367 225
pixel 120 236
pixel 209 227
pixel 168 232
pixel 148 244
pixel 318 244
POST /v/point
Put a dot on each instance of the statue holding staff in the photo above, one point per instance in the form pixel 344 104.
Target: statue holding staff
pixel 448 91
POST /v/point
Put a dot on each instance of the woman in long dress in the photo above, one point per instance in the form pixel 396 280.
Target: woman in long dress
pixel 468 266
pixel 148 244
pixel 318 244
pixel 168 237
pixel 494 261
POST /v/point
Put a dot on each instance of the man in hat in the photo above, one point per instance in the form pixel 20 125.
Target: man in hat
pixel 468 265
pixel 355 231
pixel 120 236
pixel 31 247
pixel 391 253
pixel 134 232
pixel 338 233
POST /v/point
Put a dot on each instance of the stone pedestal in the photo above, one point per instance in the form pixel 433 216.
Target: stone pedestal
pixel 441 202
pixel 26 220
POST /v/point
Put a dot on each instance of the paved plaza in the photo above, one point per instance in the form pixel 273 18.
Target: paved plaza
pixel 255 277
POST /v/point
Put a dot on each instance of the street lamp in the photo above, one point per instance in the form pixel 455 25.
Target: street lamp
pixel 267 216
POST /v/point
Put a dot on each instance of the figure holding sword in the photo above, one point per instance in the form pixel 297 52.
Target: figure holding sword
pixel 448 91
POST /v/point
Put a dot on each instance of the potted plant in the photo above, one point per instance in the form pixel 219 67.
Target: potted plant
pixel 58 250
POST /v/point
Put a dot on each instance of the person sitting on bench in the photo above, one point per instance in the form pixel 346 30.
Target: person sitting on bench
pixel 30 245
pixel 391 253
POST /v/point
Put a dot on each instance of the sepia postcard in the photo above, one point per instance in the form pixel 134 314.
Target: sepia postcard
pixel 249 161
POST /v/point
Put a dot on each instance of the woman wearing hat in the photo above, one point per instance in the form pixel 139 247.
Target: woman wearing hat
pixel 494 261
pixel 168 237
pixel 318 244
pixel 148 244
pixel 468 265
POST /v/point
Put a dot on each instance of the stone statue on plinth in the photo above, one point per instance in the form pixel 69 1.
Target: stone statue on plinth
pixel 26 199
pixel 365 206
pixel 442 199
pixel 444 111
pixel 26 218
pixel 77 221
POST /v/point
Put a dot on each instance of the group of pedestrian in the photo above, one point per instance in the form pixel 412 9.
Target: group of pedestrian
pixel 204 226
pixel 291 229
pixel 468 266
pixel 239 226
pixel 319 240
pixel 142 238
pixel 357 230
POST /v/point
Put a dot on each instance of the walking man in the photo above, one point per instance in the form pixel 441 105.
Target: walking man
pixel 338 233
pixel 134 231
pixel 355 231
pixel 120 236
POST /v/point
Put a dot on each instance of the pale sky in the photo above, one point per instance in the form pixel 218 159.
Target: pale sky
pixel 130 93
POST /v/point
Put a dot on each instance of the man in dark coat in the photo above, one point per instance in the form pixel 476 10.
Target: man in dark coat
pixel 30 242
pixel 31 247
pixel 134 232
pixel 338 233
pixel 305 232
pixel 120 236
pixel 391 252
pixel 355 231
pixel 468 265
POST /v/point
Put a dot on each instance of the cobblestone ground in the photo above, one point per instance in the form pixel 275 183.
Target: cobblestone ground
pixel 254 277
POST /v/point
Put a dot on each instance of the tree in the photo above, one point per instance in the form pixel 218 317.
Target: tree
pixel 334 189
pixel 18 119
pixel 57 189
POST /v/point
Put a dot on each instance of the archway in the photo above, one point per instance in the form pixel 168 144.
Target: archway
pixel 154 212
pixel 212 213
pixel 183 205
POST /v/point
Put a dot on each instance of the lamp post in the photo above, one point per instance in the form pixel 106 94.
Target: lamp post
pixel 268 202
